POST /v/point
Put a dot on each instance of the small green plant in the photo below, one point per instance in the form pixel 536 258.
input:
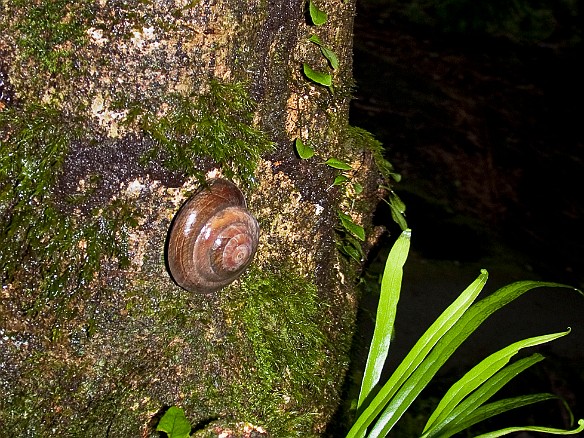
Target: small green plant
pixel 326 52
pixel 396 206
pixel 352 234
pixel 317 76
pixel 304 151
pixel 465 403
pixel 174 423
pixel 317 16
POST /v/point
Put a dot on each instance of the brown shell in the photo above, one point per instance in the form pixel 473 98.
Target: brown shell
pixel 212 239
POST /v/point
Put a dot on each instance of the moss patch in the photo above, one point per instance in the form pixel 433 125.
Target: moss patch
pixel 361 139
pixel 257 353
pixel 215 127
pixel 45 253
pixel 50 32
pixel 267 359
pixel 289 374
pixel 50 251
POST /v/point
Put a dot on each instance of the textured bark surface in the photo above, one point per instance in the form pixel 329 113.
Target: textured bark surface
pixel 111 114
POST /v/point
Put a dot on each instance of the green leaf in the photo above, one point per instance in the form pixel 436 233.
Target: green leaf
pixel 386 311
pixel 457 419
pixel 315 39
pixel 551 430
pixel 355 252
pixel 445 347
pixel 397 202
pixel 358 188
pixel 491 409
pixel 479 375
pixel 317 76
pixel 352 247
pixel 330 56
pixel 326 52
pixel 398 217
pixel 340 179
pixel 317 16
pixel 417 354
pixel 337 164
pixel 304 151
pixel 174 423
pixel 397 207
pixel 351 226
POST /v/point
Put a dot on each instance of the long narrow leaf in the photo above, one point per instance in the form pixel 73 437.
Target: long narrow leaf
pixel 417 354
pixel 466 325
pixel 386 310
pixel 551 430
pixel 491 409
pixel 481 395
pixel 480 374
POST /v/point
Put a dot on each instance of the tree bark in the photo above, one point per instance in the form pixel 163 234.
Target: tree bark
pixel 111 115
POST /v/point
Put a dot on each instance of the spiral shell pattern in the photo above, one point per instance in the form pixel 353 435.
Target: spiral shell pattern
pixel 212 239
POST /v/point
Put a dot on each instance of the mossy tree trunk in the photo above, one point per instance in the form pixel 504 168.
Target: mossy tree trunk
pixel 111 115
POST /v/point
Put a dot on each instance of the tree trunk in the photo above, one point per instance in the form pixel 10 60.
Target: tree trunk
pixel 111 115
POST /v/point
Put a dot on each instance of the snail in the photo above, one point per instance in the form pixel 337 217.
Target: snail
pixel 212 239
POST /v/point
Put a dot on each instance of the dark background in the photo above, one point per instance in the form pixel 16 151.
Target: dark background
pixel 479 107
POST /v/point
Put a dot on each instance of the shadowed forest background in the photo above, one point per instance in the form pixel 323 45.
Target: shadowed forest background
pixel 479 108
pixel 478 105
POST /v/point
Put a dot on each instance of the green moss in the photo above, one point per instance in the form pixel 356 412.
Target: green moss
pixel 258 352
pixel 50 31
pixel 65 396
pixel 217 125
pixel 45 252
pixel 288 375
pixel 360 139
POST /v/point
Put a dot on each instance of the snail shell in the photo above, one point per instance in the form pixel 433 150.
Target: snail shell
pixel 212 239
